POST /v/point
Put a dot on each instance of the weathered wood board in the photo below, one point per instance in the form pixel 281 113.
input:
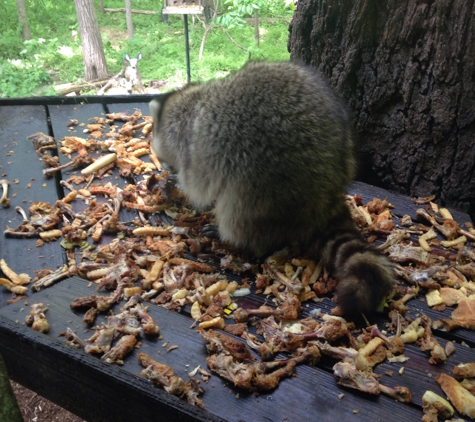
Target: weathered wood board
pixel 102 392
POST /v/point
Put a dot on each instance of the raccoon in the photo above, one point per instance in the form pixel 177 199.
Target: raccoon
pixel 272 147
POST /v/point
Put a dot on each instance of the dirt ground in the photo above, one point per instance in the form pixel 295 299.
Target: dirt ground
pixel 35 408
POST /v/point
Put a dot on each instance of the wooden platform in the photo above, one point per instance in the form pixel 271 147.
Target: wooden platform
pixel 96 391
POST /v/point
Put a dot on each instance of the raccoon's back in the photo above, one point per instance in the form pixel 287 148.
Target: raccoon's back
pixel 273 145
pixel 271 114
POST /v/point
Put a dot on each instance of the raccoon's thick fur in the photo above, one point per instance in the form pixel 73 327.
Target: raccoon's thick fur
pixel 272 147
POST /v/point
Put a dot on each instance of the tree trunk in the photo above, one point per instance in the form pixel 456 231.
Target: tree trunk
pixel 9 410
pixel 128 19
pixel 94 59
pixel 406 69
pixel 23 20
pixel 101 7
pixel 256 26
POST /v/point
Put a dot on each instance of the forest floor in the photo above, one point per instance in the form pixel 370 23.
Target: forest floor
pixel 35 408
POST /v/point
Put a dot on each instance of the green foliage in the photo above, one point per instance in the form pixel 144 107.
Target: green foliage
pixel 22 78
pixel 56 45
pixel 233 12
pixel 277 8
pixel 11 43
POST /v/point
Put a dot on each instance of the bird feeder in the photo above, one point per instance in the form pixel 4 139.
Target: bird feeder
pixel 185 8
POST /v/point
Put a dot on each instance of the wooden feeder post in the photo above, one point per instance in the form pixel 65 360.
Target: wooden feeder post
pixel 185 8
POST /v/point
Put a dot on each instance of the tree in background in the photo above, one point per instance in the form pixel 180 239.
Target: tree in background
pixel 95 66
pixel 101 7
pixel 23 20
pixel 128 19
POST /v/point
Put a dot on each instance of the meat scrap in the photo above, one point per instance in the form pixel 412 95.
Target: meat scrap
pixel 281 337
pixel 464 370
pixel 430 343
pixel 124 346
pixel 124 323
pixel 72 339
pixel 218 342
pixel 163 376
pixel 461 398
pixel 146 258
pixel 37 318
pixel 44 218
pixel 231 360
pixel 348 376
pixel 435 407
pixel 288 309
pixel 101 340
pixel 402 253
pixel 462 316
pixel 149 326
pixel 42 142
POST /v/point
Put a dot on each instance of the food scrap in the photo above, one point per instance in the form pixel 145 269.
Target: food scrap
pixel 163 376
pixel 140 244
pixel 4 200
pixel 435 407
pixel 37 318
pixel 462 399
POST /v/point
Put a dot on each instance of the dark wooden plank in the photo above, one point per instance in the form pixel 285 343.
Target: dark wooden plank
pixel 87 385
pixel 78 383
pixel 115 107
pixel 419 375
pixel 60 115
pixel 81 99
pixel 20 164
pixel 294 400
pixel 313 391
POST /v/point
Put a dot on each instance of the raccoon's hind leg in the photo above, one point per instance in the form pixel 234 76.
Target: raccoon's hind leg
pixel 365 275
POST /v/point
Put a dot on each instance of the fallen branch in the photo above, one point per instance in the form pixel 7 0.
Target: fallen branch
pixel 233 41
pixel 68 88
pixel 114 81
pixel 142 12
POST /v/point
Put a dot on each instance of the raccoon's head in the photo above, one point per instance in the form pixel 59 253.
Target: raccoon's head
pixel 161 145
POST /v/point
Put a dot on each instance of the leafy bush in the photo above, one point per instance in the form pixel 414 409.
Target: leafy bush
pixel 11 43
pixel 56 45
pixel 20 78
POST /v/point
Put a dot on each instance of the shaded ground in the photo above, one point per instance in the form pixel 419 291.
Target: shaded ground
pixel 35 408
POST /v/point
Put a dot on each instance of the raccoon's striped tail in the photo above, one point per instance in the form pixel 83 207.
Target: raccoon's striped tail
pixel 365 275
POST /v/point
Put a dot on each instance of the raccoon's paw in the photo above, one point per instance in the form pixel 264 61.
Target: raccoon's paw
pixel 210 230
pixel 364 282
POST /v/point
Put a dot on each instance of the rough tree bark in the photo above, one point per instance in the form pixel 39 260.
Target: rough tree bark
pixel 9 410
pixel 406 68
pixel 95 66
pixel 23 20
